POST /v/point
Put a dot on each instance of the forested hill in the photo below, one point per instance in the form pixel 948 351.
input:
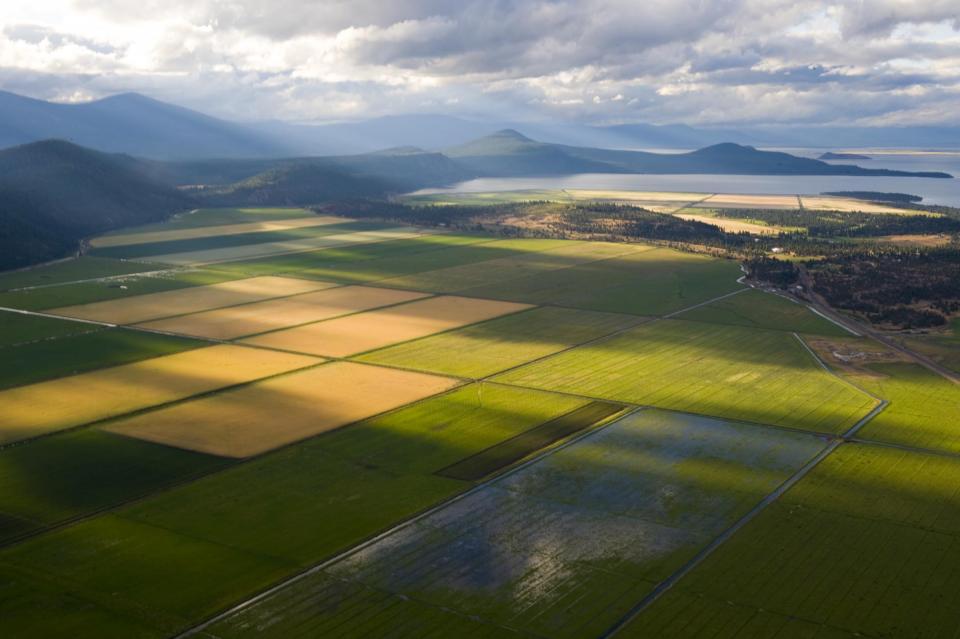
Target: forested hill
pixel 54 193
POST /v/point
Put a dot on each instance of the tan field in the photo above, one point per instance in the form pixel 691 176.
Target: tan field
pixel 367 331
pixel 270 315
pixel 734 201
pixel 246 421
pixel 646 196
pixel 208 231
pixel 50 406
pixel 827 203
pixel 140 308
pixel 732 226
pixel 263 249
pixel 915 240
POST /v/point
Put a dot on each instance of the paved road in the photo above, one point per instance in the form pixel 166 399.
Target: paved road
pixel 816 301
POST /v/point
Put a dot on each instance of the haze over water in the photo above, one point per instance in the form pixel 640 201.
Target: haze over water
pixel 933 190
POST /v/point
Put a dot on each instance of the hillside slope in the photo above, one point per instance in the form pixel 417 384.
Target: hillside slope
pixel 54 193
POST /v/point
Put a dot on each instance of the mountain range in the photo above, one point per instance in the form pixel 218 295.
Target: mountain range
pixel 138 125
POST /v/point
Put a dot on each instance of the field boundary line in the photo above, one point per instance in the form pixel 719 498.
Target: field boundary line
pixel 410 230
pixel 232 462
pixel 104 278
pixel 216 308
pixel 833 373
pixel 725 536
pixel 706 303
pixel 362 545
pixel 832 321
pixel 58 317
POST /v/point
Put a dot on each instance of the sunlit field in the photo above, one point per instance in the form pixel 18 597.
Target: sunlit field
pixel 261 422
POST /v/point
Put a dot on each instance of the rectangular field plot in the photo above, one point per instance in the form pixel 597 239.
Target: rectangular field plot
pixel 490 347
pixel 81 268
pixel 141 308
pixel 859 545
pixel 185 553
pixel 827 203
pixel 371 262
pixel 644 282
pixel 269 315
pixel 924 409
pixel 72 401
pixel 38 361
pixel 757 309
pixel 259 417
pixel 17 328
pixel 215 241
pixel 562 255
pixel 77 473
pixel 737 201
pixel 83 292
pixel 263 248
pixel 365 331
pixel 737 373
pixel 501 455
pixel 561 548
pixel 222 230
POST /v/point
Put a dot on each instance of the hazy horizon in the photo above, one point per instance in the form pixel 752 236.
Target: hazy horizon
pixel 720 63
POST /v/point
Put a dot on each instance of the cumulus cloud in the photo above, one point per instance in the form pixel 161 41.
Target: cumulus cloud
pixel 696 61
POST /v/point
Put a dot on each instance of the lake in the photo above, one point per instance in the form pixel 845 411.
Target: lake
pixel 933 190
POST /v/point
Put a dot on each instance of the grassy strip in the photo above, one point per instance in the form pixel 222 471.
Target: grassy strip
pixel 501 455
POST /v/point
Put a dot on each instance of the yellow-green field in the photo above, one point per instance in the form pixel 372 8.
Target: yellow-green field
pixel 410 433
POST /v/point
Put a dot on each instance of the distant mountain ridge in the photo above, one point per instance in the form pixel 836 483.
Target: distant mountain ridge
pixel 130 123
pixel 145 127
pixel 509 153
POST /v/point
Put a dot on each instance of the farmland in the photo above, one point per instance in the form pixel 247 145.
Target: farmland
pixel 708 369
pixel 404 432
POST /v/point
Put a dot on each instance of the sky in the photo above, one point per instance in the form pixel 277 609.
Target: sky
pixel 699 62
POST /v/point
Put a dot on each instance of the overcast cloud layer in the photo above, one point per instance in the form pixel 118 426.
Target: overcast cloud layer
pixel 597 61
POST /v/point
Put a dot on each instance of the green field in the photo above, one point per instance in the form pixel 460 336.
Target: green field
pixel 68 294
pixel 924 407
pixel 600 440
pixel 562 547
pixel 756 309
pixel 189 551
pixel 148 249
pixel 860 546
pixel 81 472
pixel 82 268
pixel 641 282
pixel 16 328
pixel 372 262
pixel 493 346
pixel 200 218
pixel 48 359
pixel 724 371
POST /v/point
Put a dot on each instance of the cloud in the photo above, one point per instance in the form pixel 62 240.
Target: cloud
pixel 696 61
